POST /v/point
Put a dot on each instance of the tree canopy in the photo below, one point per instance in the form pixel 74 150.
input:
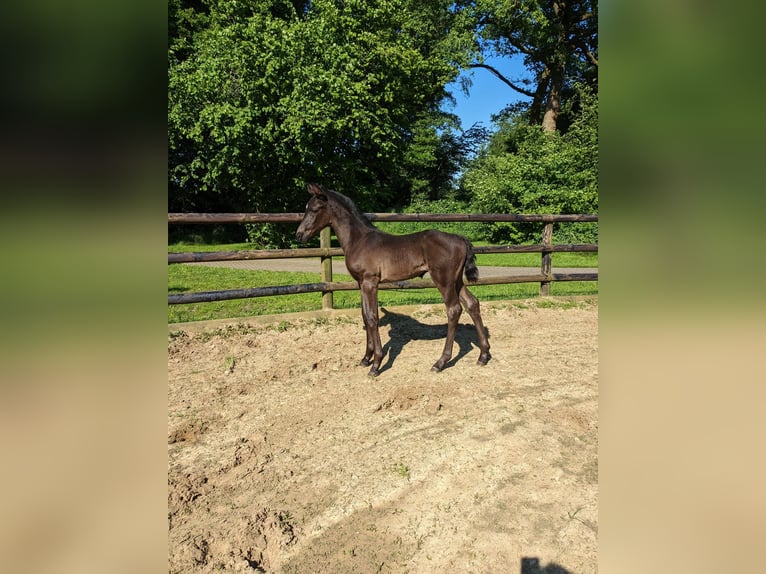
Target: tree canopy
pixel 557 40
pixel 525 169
pixel 264 95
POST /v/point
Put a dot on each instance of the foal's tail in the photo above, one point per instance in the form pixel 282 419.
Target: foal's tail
pixel 471 271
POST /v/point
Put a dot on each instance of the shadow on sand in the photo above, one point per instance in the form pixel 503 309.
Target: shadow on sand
pixel 532 566
pixel 405 329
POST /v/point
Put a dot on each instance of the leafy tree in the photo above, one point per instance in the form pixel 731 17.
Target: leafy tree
pixel 438 152
pixel 267 94
pixel 523 168
pixel 558 41
pixel 526 170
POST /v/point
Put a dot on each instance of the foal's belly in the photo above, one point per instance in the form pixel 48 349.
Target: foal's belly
pixel 389 269
pixel 401 268
pixel 399 274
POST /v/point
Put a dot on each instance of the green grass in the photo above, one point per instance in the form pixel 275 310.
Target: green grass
pixel 533 259
pixel 194 278
pixel 492 259
pixel 402 470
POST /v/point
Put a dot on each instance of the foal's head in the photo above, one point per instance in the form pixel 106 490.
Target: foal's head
pixel 317 214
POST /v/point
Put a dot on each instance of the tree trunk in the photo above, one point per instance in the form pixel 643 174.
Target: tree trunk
pixel 556 67
pixel 553 106
pixel 536 108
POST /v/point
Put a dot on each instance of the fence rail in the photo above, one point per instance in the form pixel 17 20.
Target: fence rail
pixel 325 252
pixel 189 218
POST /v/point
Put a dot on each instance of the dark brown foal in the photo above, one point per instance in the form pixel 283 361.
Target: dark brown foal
pixel 373 256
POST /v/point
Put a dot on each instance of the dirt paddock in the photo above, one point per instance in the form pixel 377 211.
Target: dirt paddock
pixel 284 456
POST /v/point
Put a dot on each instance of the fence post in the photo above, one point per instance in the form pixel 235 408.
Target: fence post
pixel 545 267
pixel 324 241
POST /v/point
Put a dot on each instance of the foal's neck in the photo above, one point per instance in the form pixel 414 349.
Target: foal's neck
pixel 348 227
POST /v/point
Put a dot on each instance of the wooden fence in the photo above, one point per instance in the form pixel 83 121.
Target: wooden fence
pixel 325 252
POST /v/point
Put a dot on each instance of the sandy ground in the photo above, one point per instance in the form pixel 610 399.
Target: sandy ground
pixel 284 456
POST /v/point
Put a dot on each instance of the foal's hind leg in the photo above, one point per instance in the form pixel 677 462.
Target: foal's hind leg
pixel 471 304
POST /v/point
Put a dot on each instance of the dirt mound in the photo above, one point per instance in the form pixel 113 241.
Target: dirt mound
pixel 285 457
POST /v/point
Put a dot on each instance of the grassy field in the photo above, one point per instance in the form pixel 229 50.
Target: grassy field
pixel 194 278
pixel 495 259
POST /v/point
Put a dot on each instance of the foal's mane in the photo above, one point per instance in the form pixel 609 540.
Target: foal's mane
pixel 349 206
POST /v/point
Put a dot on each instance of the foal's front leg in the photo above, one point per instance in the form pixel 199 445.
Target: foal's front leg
pixel 369 287
pixel 453 316
pixel 370 348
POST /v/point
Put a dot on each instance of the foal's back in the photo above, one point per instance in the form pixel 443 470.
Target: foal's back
pixel 400 257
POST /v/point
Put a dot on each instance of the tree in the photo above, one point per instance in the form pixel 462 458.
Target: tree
pixel 527 170
pixel 558 40
pixel 265 95
pixel 437 154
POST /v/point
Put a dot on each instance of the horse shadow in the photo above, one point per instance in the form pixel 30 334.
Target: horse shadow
pixel 405 329
pixel 532 566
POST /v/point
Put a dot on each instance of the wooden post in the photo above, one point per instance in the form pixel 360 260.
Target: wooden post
pixel 545 267
pixel 325 241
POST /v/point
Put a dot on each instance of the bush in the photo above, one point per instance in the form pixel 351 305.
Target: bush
pixel 526 170
pixel 421 205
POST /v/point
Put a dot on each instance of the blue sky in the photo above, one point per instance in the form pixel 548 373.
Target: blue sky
pixel 488 95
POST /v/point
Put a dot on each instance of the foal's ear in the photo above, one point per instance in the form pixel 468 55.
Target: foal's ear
pixel 316 190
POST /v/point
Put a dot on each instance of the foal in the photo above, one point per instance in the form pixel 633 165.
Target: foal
pixel 373 256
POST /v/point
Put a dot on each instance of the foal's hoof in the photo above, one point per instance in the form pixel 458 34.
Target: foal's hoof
pixel 373 372
pixel 483 359
pixel 436 368
pixel 365 362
